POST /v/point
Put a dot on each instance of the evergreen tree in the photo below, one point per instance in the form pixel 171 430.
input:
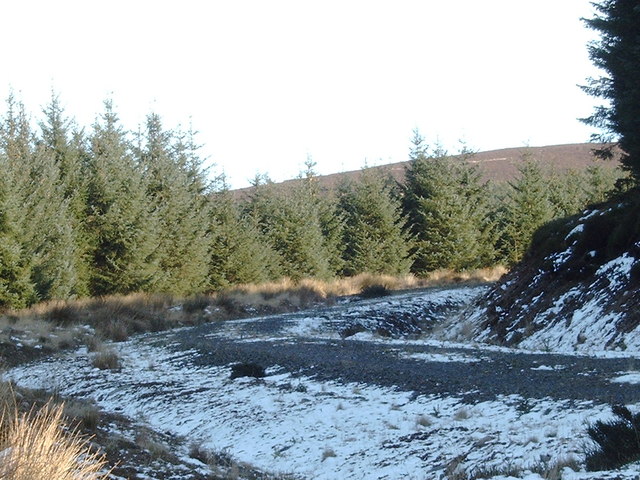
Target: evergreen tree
pixel 62 141
pixel 617 53
pixel 528 208
pixel 175 185
pixel 289 218
pixel 566 192
pixel 324 206
pixel 374 234
pixel 449 212
pixel 239 253
pixel 599 183
pixel 16 289
pixel 121 222
pixel 43 226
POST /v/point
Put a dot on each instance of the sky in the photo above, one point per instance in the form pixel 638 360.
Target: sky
pixel 269 84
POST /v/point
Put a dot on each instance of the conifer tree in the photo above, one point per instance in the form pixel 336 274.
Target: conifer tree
pixel 448 207
pixel 374 233
pixel 121 222
pixel 44 225
pixel 324 206
pixel 528 208
pixel 16 288
pixel 64 143
pixel 239 253
pixel 566 192
pixel 599 183
pixel 290 221
pixel 175 187
pixel 617 53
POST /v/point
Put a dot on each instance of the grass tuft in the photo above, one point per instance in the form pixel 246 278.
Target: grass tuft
pixel 106 360
pixel 34 446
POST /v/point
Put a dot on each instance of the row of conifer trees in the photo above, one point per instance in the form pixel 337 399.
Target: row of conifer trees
pixel 102 210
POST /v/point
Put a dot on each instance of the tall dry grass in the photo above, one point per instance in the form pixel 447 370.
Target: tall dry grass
pixel 320 289
pixel 36 446
pixel 61 324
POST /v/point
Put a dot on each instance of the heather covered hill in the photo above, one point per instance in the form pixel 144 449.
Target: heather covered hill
pixel 495 165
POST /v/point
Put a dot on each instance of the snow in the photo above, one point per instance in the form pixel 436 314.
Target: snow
pixel 576 230
pixel 628 377
pixel 287 424
pixel 588 328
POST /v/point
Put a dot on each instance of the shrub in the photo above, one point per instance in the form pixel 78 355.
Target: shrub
pixel 375 291
pixel 84 413
pixel 115 330
pixel 65 314
pixel 247 369
pixel 195 304
pixel 35 447
pixel 617 440
pixel 106 360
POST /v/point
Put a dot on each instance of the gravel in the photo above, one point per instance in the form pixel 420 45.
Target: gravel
pixel 400 356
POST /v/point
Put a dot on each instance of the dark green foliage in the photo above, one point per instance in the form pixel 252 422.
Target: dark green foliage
pixel 120 220
pixel 107 212
pixel 617 53
pixel 528 208
pixel 16 289
pixel 374 235
pixel 175 184
pixel 617 440
pixel 239 253
pixel 63 142
pixel 448 207
pixel 293 221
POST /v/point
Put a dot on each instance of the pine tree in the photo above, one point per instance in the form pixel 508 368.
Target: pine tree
pixel 567 192
pixel 64 143
pixel 617 53
pixel 239 253
pixel 175 185
pixel 374 233
pixel 528 208
pixel 16 289
pixel 599 183
pixel 323 205
pixel 43 224
pixel 289 218
pixel 121 222
pixel 449 212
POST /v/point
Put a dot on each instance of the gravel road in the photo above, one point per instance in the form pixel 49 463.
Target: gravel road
pixel 333 344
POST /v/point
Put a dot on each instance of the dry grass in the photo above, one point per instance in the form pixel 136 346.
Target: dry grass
pixel 106 360
pixel 309 289
pixel 59 324
pixel 34 446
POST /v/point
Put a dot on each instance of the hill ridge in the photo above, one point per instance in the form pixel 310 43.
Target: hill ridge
pixel 496 165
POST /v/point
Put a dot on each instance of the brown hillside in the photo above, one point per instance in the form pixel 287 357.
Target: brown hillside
pixel 496 165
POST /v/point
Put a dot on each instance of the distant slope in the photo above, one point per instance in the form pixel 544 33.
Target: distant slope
pixel 577 289
pixel 496 165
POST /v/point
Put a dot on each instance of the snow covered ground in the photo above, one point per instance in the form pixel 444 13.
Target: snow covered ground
pixel 287 423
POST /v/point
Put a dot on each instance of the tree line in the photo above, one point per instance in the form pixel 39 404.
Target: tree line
pixel 103 210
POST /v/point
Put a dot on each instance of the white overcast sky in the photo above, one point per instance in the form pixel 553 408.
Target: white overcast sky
pixel 269 82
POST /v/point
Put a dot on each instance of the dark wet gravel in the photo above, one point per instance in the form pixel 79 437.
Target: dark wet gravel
pixel 493 373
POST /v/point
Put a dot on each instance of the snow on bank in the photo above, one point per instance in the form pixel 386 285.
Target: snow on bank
pixel 322 430
pixel 588 328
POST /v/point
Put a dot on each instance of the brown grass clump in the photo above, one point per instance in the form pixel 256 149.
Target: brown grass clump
pixel 106 360
pixel 34 446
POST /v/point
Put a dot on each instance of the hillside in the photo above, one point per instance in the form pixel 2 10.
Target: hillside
pixel 495 165
pixel 577 289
